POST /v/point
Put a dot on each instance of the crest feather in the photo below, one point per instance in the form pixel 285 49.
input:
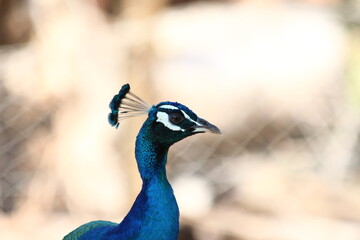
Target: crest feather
pixel 125 105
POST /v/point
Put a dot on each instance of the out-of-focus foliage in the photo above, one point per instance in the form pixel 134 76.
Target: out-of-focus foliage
pixel 280 78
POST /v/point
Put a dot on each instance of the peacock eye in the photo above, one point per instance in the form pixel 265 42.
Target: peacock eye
pixel 175 118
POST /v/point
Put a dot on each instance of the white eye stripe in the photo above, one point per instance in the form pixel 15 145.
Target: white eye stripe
pixel 176 108
pixel 189 118
pixel 169 107
pixel 164 119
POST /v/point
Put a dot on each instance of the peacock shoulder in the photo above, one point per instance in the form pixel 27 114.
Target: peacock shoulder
pixel 78 232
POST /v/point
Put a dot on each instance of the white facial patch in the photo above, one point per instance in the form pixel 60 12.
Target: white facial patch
pixel 164 119
pixel 200 129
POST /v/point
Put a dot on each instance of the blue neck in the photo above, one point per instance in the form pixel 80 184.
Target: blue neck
pixel 155 214
pixel 151 157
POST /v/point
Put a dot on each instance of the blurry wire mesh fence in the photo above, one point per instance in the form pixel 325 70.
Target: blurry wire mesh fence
pixel 21 122
pixel 288 113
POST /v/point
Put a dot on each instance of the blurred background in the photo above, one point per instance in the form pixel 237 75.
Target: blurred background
pixel 280 78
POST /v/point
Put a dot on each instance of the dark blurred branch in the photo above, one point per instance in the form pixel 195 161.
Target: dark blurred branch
pixel 15 24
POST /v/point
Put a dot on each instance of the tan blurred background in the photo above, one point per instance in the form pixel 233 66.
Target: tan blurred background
pixel 280 78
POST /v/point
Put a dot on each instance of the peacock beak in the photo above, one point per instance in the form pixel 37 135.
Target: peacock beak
pixel 204 126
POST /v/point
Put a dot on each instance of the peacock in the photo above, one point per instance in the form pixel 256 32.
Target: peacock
pixel 155 213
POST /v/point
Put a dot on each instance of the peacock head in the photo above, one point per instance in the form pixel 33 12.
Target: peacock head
pixel 168 122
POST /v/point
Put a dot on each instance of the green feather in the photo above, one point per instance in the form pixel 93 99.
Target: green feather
pixel 78 232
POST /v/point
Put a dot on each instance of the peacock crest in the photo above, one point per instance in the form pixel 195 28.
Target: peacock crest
pixel 126 104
